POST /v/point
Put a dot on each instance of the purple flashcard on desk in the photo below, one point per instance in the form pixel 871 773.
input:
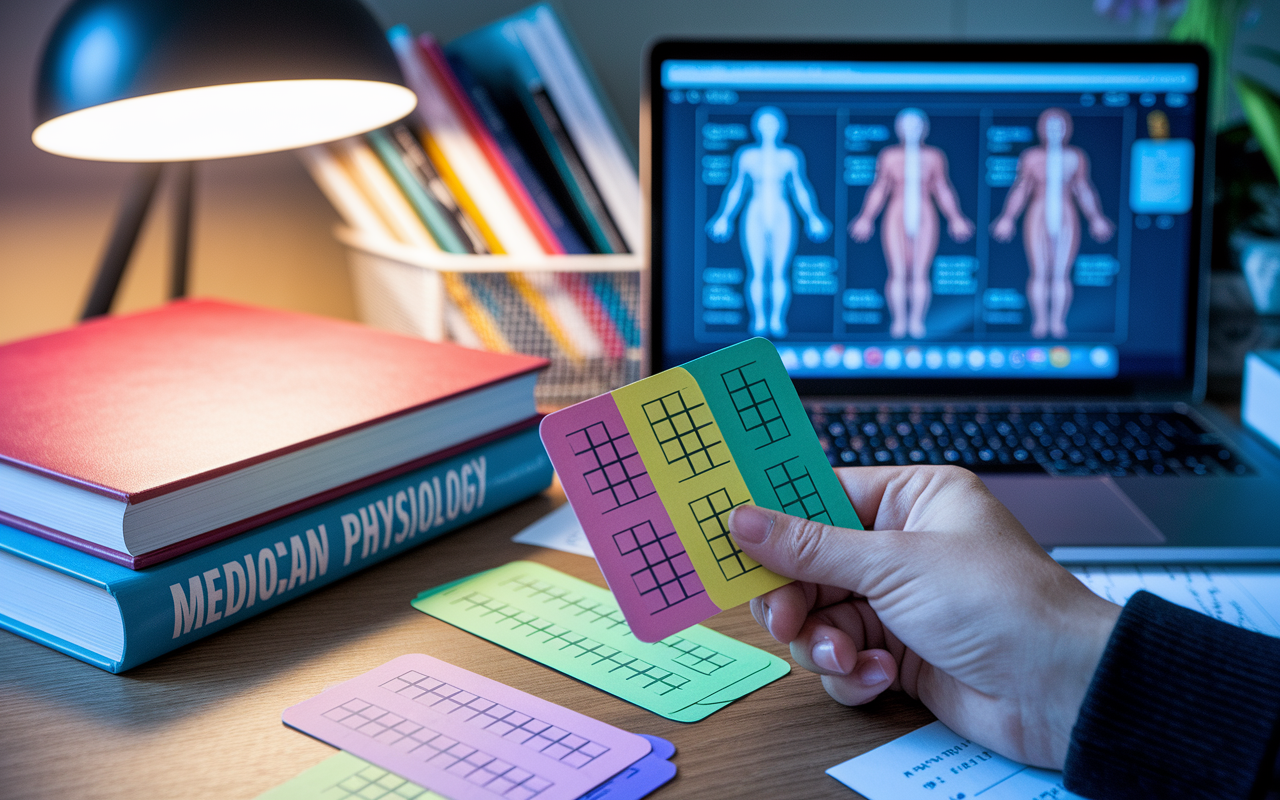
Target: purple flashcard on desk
pixel 464 735
pixel 641 778
pixel 631 534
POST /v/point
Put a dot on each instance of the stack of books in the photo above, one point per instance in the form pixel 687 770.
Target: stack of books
pixel 511 150
pixel 166 474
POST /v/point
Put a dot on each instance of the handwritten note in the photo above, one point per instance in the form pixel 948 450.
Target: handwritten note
pixel 1248 597
pixel 935 763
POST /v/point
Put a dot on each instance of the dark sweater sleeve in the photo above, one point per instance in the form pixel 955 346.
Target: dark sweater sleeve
pixel 1182 705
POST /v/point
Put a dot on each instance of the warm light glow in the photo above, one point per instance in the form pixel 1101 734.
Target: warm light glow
pixel 237 119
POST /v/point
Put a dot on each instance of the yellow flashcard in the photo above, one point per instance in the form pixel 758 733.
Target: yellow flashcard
pixel 695 475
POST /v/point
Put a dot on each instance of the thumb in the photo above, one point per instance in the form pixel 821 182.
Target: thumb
pixel 815 553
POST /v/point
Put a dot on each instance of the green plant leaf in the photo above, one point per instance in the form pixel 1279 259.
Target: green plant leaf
pixel 1262 110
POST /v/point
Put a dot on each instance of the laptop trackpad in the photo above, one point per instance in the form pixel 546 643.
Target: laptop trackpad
pixel 1074 511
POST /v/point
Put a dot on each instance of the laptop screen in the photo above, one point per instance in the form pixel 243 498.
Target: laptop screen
pixel 928 219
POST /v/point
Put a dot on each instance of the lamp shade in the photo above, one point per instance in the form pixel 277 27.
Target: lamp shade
pixel 181 80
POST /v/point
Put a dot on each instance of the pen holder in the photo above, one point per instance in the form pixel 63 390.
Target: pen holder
pixel 581 312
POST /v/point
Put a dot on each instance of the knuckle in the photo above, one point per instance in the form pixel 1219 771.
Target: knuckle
pixel 959 476
pixel 807 543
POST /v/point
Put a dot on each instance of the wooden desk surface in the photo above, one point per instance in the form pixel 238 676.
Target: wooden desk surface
pixel 205 721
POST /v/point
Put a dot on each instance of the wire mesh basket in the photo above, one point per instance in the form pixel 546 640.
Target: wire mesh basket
pixel 583 313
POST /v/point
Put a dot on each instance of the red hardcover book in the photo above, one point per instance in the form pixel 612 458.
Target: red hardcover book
pixel 138 438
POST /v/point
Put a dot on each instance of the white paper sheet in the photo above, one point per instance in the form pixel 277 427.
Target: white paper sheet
pixel 1245 596
pixel 558 530
pixel 935 763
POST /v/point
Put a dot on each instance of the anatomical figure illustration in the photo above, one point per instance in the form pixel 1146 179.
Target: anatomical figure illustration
pixel 773 174
pixel 1052 182
pixel 912 177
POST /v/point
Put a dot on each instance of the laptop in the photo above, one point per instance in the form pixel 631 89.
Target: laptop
pixel 988 255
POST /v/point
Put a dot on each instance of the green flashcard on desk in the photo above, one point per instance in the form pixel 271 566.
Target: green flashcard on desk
pixel 346 777
pixel 577 628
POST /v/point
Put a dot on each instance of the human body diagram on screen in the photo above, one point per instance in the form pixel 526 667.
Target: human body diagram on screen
pixel 911 185
pixel 944 192
pixel 769 176
pixel 1054 188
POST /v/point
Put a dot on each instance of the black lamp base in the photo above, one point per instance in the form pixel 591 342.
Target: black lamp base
pixel 124 237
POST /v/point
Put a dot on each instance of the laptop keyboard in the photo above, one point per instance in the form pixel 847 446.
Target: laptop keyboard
pixel 1057 440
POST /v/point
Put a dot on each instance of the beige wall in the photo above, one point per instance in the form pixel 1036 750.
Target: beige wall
pixel 262 230
pixel 262 235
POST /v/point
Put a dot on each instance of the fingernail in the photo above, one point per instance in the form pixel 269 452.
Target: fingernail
pixel 824 655
pixel 872 674
pixel 768 618
pixel 749 524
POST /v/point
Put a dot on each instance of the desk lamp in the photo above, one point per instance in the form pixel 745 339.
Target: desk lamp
pixel 169 82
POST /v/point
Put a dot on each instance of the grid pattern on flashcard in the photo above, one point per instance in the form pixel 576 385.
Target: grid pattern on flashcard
pixel 556 743
pixel 796 491
pixel 439 751
pixel 660 568
pixel 712 514
pixel 375 783
pixel 757 409
pixel 697 657
pixel 602 613
pixel 611 464
pixel 610 659
pixel 685 434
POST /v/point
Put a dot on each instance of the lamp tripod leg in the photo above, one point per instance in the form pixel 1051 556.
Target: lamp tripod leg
pixel 116 257
pixel 180 252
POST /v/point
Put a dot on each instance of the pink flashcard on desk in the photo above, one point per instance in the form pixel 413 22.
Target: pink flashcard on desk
pixel 464 735
pixel 631 534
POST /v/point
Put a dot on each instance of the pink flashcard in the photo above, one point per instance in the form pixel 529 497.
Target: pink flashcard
pixel 633 538
pixel 463 735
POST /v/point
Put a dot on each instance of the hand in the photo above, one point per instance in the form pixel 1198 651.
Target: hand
pixel 1101 229
pixel 861 229
pixel 960 229
pixel 719 229
pixel 1002 229
pixel 945 597
pixel 819 229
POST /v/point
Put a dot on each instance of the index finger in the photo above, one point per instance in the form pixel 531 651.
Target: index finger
pixel 884 497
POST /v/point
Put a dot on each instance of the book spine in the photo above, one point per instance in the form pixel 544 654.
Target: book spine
pixel 557 141
pixel 435 60
pixel 346 197
pixel 184 600
pixel 505 140
pixel 423 203
pixel 411 149
pixel 446 134
pixel 564 73
pixel 497 59
pixel 381 189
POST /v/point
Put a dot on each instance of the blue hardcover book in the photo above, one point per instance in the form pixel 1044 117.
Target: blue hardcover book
pixel 117 618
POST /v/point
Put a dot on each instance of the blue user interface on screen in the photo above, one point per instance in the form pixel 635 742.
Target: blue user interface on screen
pixel 928 219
